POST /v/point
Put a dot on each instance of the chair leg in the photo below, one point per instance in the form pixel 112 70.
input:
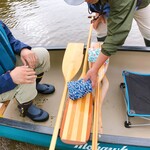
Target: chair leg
pixel 127 123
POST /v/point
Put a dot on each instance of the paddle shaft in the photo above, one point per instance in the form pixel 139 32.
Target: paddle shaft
pixel 96 112
pixel 104 89
pixel 86 53
pixel 97 106
pixel 98 99
pixel 58 120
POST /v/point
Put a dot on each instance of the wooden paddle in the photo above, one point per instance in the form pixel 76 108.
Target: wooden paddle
pixel 104 89
pixel 71 64
pixel 77 118
pixel 99 96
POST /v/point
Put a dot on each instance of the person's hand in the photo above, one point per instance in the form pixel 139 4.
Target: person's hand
pixel 23 75
pixel 100 19
pixel 92 74
pixel 28 58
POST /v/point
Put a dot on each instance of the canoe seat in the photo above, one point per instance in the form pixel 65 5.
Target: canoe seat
pixel 3 107
pixel 136 91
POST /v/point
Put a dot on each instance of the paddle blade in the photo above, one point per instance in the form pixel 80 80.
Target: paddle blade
pixel 72 60
pixel 77 121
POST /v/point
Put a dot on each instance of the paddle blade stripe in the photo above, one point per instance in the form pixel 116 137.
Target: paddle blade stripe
pixel 81 120
pixel 69 116
pixel 77 121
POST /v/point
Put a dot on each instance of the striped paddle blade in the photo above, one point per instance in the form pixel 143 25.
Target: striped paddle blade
pixel 77 120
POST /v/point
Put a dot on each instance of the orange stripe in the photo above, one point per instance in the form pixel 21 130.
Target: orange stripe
pixel 81 118
pixel 86 115
pixel 67 120
pixel 62 134
pixel 90 116
pixel 71 119
pixel 76 120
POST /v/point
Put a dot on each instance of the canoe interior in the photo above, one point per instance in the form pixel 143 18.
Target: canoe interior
pixel 113 109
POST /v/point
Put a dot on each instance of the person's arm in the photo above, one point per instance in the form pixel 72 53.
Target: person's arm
pixel 6 83
pixel 93 72
pixel 119 25
pixel 19 75
pixel 16 45
pixel 28 57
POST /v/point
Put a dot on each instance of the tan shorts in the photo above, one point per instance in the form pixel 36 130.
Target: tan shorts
pixel 26 92
pixel 142 17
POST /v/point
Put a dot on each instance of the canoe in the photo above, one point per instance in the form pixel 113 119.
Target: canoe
pixel 114 137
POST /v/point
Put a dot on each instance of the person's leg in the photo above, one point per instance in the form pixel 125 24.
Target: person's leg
pixel 24 94
pixel 43 66
pixel 43 63
pixel 142 16
pixel 101 31
pixel 8 95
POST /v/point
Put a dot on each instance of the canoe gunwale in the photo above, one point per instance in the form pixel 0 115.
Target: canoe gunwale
pixel 134 48
pixel 120 48
pixel 124 140
pixel 133 141
pixel 26 126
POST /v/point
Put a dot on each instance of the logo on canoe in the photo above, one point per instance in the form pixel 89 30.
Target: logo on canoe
pixel 89 147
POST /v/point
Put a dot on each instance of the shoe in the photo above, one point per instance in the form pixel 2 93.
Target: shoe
pixel 37 114
pixel 33 112
pixel 45 88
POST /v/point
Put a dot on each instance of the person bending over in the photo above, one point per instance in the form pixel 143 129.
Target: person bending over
pixel 114 20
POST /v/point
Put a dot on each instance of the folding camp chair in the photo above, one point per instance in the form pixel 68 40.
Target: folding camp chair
pixel 136 91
